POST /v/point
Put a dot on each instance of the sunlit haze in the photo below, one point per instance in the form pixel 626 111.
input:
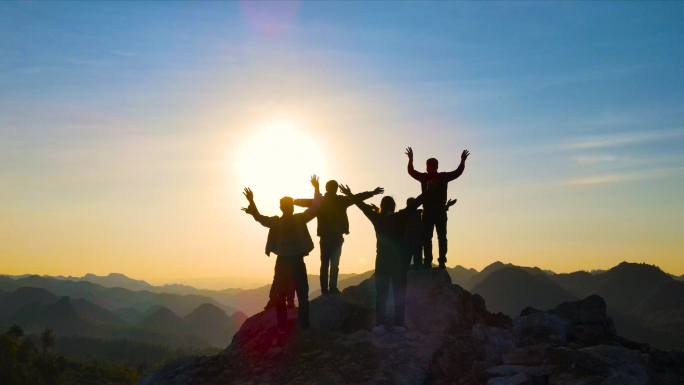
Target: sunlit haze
pixel 128 130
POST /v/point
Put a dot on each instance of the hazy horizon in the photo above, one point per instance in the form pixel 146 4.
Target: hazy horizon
pixel 220 283
pixel 129 129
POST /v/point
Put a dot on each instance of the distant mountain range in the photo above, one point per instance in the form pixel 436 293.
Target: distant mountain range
pixel 646 303
pixel 83 308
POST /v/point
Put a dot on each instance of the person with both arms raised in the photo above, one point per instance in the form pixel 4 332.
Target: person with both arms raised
pixel 333 223
pixel 289 239
pixel 390 266
pixel 434 207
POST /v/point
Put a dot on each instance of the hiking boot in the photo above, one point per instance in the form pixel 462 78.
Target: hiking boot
pixel 380 329
pixel 426 266
pixel 442 265
pixel 335 291
pixel 271 303
pixel 324 291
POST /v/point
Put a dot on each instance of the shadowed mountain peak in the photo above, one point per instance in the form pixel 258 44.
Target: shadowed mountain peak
pixel 24 296
pixel 511 289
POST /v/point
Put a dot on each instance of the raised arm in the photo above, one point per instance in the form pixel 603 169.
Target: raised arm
pixel 254 212
pixel 310 213
pixel 367 209
pixel 365 195
pixel 412 171
pixel 450 203
pixel 303 202
pixel 456 173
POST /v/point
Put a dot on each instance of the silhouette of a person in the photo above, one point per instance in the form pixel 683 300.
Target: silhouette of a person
pixel 273 294
pixel 390 266
pixel 289 239
pixel 333 223
pixel 414 235
pixel 434 207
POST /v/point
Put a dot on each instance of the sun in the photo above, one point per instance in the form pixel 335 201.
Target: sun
pixel 278 160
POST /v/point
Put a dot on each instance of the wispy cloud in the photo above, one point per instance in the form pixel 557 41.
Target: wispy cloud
pixel 589 160
pixel 92 62
pixel 625 177
pixel 603 141
pixel 129 53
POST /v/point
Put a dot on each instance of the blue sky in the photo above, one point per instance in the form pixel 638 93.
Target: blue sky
pixel 116 118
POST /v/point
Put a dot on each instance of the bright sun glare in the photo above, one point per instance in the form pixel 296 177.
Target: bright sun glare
pixel 278 160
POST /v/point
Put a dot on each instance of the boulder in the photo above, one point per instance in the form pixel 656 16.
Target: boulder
pixel 527 355
pixel 518 379
pixel 582 322
pixel 601 364
pixel 433 303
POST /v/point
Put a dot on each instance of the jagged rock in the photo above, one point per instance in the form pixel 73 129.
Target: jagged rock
pixel 518 379
pixel 452 339
pixel 528 355
pixel 433 303
pixel 339 348
pixel 601 365
pixel 583 322
pixel 496 343
pixel 512 370
pixel 529 310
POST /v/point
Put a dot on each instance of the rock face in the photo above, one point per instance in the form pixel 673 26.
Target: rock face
pixel 582 322
pixel 452 339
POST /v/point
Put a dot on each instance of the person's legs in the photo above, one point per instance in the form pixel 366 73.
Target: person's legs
pixel 301 284
pixel 382 282
pixel 418 257
pixel 399 279
pixel 408 255
pixel 335 254
pixel 273 293
pixel 291 295
pixel 325 263
pixel 441 227
pixel 415 253
pixel 284 279
pixel 428 228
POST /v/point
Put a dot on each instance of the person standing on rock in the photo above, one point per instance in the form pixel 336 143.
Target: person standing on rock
pixel 434 207
pixel 289 239
pixel 390 266
pixel 273 294
pixel 333 223
pixel 413 237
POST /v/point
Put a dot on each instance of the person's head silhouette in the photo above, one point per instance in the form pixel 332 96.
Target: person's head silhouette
pixel 431 165
pixel 387 205
pixel 287 205
pixel 331 186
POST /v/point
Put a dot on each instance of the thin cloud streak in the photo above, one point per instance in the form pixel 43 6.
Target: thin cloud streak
pixel 621 140
pixel 625 177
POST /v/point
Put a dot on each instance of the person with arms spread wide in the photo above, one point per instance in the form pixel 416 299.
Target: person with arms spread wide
pixel 333 224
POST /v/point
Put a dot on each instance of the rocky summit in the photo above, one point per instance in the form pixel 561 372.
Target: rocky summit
pixel 452 339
